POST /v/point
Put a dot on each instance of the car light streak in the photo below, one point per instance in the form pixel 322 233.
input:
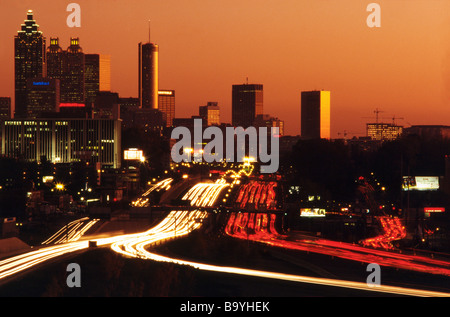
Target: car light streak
pixel 73 231
pixel 137 247
pixel 181 223
pixel 238 227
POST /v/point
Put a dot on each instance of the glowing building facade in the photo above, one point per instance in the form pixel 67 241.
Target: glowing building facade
pixel 148 75
pixel 315 115
pixel 210 113
pixel 166 104
pixel 64 140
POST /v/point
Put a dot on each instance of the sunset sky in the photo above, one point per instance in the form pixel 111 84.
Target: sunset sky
pixel 206 46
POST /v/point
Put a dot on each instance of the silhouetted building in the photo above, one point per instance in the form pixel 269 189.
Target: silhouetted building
pixel 265 120
pixel 97 78
pixel 64 140
pixel 429 131
pixel 210 113
pixel 107 105
pixel 29 60
pixel 148 75
pixel 5 108
pixel 247 103
pixel 166 104
pixel 69 67
pixel 315 115
pixel 128 107
pixel 42 96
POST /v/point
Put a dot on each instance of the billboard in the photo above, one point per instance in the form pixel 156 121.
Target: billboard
pixel 312 212
pixel 434 209
pixel 133 155
pixel 420 183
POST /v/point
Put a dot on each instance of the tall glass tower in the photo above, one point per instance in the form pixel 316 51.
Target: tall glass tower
pixel 148 75
pixel 315 114
pixel 247 103
pixel 29 60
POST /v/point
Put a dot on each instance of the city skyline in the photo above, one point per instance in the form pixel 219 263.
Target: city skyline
pixel 399 68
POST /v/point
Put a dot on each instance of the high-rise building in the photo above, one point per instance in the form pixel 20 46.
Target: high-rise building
pixel 64 140
pixel 265 120
pixel 383 131
pixel 210 113
pixel 166 104
pixel 247 103
pixel 148 75
pixel 69 67
pixel 29 60
pixel 315 115
pixel 42 96
pixel 72 86
pixel 97 68
pixel 5 108
pixel 55 59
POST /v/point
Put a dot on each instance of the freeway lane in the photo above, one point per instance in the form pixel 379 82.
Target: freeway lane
pixel 261 229
pixel 177 224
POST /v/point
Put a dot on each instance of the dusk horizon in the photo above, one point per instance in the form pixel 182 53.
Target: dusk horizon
pixel 401 68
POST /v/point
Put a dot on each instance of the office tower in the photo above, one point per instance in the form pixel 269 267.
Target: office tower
pixel 97 68
pixel 55 59
pixel 166 104
pixel 72 85
pixel 69 67
pixel 247 103
pixel 64 140
pixel 107 105
pixel 210 113
pixel 265 120
pixel 92 76
pixel 148 75
pixel 315 115
pixel 383 131
pixel 29 60
pixel 5 108
pixel 42 96
pixel 128 107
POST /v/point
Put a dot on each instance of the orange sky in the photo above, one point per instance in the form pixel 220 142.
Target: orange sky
pixel 206 46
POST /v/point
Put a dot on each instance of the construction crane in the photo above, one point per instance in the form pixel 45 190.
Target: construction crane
pixel 377 112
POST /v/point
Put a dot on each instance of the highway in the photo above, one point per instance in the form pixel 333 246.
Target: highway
pixel 180 223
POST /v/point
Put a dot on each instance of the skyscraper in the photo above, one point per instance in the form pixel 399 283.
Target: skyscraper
pixel 5 108
pixel 247 103
pixel 42 96
pixel 30 60
pixel 210 113
pixel 69 67
pixel 97 75
pixel 148 75
pixel 72 86
pixel 315 115
pixel 166 104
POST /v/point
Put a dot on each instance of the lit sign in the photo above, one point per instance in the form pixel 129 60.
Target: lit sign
pixel 133 155
pixel 41 83
pixel 312 212
pixel 165 92
pixel 434 209
pixel 47 179
pixel 420 183
pixel 71 104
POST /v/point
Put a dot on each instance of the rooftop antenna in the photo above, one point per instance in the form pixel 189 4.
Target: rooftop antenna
pixel 149 31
